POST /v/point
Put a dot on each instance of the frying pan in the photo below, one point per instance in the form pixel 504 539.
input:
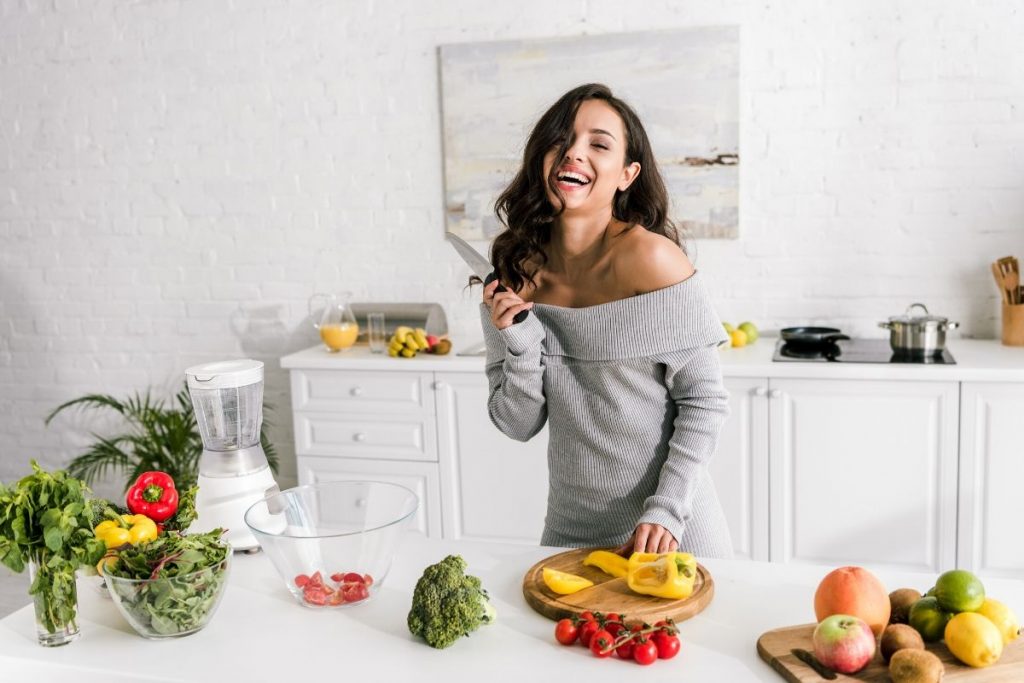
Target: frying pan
pixel 811 336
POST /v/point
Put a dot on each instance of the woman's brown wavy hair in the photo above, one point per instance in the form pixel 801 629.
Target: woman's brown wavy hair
pixel 523 208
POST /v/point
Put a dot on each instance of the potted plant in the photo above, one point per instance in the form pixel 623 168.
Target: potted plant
pixel 158 437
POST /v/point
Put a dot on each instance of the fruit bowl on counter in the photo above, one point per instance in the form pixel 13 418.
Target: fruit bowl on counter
pixel 333 543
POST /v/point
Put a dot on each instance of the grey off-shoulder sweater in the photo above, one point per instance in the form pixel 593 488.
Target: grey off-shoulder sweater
pixel 632 393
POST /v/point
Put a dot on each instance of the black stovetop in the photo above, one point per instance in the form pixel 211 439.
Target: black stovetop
pixel 854 351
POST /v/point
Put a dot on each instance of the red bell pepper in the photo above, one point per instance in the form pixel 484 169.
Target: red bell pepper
pixel 153 494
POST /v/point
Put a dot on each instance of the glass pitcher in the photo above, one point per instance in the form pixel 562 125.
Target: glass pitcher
pixel 338 326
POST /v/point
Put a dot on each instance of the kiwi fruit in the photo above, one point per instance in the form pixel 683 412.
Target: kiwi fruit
pixel 900 601
pixel 915 666
pixel 898 637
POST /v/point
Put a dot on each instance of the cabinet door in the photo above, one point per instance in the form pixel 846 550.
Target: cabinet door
pixel 864 472
pixel 421 478
pixel 493 487
pixel 740 466
pixel 991 472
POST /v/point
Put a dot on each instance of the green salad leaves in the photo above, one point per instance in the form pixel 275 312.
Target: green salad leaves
pixel 173 583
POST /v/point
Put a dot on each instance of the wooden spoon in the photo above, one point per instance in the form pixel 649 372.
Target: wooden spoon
pixel 1013 285
pixel 997 273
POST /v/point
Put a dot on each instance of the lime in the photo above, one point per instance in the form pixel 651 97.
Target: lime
pixel 751 330
pixel 958 590
pixel 728 327
pixel 929 619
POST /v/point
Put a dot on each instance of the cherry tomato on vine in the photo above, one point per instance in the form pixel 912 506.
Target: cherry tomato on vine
pixel 566 632
pixel 645 653
pixel 601 643
pixel 587 631
pixel 668 645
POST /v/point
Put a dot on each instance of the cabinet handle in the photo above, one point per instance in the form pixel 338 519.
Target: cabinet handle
pixel 359 436
pixel 356 391
pixel 439 385
pixel 775 393
pixel 760 391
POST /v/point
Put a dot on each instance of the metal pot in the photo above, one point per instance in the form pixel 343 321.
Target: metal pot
pixel 918 335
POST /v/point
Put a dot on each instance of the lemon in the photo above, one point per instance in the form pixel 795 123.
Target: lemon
pixel 738 337
pixel 1003 617
pixel 958 590
pixel 563 583
pixel 974 640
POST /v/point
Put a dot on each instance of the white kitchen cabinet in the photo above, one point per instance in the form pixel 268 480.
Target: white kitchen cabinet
pixel 863 472
pixel 493 487
pixel 991 476
pixel 420 478
pixel 740 466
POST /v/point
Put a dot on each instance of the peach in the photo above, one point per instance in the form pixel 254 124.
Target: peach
pixel 854 591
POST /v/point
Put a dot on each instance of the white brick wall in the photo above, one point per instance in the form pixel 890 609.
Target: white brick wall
pixel 174 171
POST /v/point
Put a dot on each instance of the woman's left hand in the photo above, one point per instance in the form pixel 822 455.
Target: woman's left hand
pixel 649 538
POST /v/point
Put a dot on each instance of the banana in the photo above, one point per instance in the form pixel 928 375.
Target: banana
pixel 408 353
pixel 421 338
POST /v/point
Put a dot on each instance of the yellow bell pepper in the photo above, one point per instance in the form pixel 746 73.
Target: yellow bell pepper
pixel 131 530
pixel 608 562
pixel 664 575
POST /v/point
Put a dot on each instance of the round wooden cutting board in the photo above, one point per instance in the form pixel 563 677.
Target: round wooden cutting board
pixel 609 594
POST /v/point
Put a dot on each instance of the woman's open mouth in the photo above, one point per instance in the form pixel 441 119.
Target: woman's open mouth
pixel 570 181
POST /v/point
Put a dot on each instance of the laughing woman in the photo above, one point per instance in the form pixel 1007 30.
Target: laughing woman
pixel 617 352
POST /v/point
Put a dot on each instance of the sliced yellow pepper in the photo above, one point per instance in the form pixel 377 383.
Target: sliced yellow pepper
pixel 116 534
pixel 563 583
pixel 663 575
pixel 608 562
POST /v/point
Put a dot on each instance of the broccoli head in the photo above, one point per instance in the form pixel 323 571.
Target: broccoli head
pixel 448 604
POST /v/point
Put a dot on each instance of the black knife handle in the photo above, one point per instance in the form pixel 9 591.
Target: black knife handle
pixel 518 317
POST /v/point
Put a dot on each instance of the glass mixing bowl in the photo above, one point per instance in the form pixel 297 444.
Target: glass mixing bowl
pixel 173 606
pixel 332 543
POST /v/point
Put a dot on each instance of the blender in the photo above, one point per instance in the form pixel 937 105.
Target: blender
pixel 227 398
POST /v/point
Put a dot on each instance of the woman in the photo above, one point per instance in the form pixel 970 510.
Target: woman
pixel 618 350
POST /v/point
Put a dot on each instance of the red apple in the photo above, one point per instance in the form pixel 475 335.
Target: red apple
pixel 843 643
pixel 431 341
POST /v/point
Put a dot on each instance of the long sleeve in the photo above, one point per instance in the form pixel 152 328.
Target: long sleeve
pixel 515 375
pixel 694 381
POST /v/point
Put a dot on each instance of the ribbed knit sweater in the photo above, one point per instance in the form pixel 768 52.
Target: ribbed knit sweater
pixel 632 394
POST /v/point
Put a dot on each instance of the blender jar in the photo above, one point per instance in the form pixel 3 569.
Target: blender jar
pixel 227 398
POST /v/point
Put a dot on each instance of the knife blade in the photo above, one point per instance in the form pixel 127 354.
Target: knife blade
pixel 481 267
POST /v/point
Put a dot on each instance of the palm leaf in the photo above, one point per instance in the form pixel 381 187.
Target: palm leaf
pixel 89 401
pixel 102 456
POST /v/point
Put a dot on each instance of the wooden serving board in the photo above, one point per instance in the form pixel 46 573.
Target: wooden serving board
pixel 775 647
pixel 608 594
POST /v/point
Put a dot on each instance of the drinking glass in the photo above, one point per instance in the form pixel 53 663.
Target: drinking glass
pixel 377 335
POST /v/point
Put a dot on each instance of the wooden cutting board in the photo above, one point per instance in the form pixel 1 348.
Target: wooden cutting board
pixel 775 648
pixel 608 594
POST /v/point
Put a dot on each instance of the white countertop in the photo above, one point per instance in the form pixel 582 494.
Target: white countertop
pixel 261 634
pixel 977 360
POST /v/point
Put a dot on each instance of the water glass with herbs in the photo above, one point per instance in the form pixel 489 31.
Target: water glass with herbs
pixel 46 524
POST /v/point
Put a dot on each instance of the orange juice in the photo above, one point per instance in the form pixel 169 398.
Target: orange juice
pixel 339 336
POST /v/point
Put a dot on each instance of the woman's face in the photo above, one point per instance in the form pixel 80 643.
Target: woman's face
pixel 594 167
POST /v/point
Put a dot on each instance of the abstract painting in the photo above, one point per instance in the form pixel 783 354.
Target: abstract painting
pixel 683 83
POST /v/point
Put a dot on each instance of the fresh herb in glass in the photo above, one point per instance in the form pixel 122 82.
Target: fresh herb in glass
pixel 46 523
pixel 171 586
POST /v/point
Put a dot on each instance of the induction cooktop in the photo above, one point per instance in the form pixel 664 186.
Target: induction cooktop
pixel 854 351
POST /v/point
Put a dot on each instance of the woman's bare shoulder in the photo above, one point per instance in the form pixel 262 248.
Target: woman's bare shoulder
pixel 648 261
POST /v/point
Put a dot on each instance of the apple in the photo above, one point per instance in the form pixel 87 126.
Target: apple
pixel 844 643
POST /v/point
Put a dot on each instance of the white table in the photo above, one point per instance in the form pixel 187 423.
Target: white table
pixel 261 634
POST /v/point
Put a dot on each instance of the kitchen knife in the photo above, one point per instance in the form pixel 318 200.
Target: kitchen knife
pixel 482 267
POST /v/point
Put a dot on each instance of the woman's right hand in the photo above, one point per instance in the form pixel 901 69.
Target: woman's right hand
pixel 504 305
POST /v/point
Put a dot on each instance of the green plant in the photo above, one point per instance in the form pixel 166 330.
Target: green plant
pixel 159 437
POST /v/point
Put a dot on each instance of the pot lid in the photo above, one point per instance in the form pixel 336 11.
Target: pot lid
pixel 909 318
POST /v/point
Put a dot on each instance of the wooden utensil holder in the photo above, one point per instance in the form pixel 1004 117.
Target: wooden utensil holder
pixel 1013 324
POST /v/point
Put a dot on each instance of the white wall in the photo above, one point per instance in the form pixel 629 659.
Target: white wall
pixel 168 166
